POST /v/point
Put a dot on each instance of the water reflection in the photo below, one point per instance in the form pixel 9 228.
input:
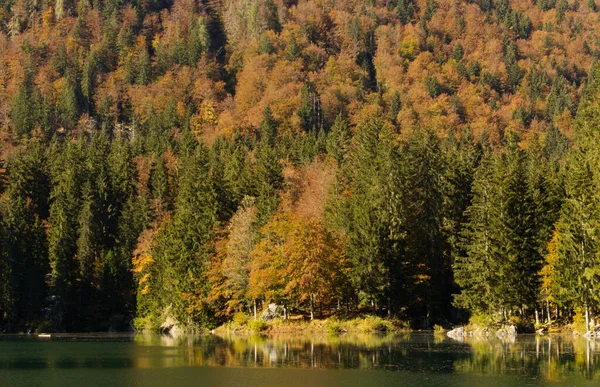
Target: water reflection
pixel 547 358
pixel 551 358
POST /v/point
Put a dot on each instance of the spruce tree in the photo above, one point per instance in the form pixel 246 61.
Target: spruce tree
pixel 182 245
pixel 375 215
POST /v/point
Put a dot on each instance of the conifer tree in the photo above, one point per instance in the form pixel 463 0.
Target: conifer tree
pixel 25 250
pixel 376 214
pixel 577 269
pixel 338 139
pixel 182 245
pixel 64 206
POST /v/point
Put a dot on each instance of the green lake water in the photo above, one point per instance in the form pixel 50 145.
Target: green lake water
pixel 415 359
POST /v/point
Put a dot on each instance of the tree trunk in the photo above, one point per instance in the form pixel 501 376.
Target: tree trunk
pixel 587 317
pixel 537 317
pixel 312 307
pixel 254 306
pixel 548 311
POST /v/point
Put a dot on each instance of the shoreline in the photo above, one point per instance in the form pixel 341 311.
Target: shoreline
pixel 329 326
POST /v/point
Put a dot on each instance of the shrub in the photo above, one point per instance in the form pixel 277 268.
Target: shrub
pixel 240 319
pixel 257 326
pixel 579 320
pixel 333 327
pixel 522 324
pixel 438 329
pixel 373 324
pixel 485 320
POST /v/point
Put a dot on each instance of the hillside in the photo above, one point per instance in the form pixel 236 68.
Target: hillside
pixel 189 160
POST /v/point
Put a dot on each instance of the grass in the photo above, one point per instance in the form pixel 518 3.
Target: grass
pixel 243 324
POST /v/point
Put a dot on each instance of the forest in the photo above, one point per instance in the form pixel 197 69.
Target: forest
pixel 430 160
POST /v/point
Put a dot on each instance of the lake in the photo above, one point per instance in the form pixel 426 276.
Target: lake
pixel 415 359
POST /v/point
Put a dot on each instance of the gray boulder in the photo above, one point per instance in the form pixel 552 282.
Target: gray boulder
pixel 272 312
pixel 457 333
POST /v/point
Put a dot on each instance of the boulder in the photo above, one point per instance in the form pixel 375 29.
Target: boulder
pixel 171 327
pixel 457 332
pixel 507 331
pixel 272 312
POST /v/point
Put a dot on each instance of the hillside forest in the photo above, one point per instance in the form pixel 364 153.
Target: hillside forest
pixel 429 160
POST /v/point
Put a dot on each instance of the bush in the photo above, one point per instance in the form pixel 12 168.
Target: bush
pixel 146 324
pixel 579 320
pixel 240 319
pixel 438 330
pixel 333 327
pixel 485 321
pixel 522 324
pixel 257 326
pixel 374 324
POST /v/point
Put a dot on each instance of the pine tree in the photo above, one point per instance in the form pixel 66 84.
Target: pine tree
pixel 405 9
pixel 293 50
pixel 425 242
pixel 338 140
pixel 62 234
pixel 376 214
pixel 461 158
pixel 24 245
pixel 458 52
pixel 309 111
pixel 27 107
pixel 512 67
pixel 267 178
pixel 476 270
pixel 577 270
pixel 268 128
pixel 182 245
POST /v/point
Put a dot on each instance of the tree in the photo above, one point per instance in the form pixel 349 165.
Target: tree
pixel 338 139
pixel 500 270
pixel 268 128
pixel 405 9
pixel 25 252
pixel 309 111
pixel 513 69
pixel 425 243
pixel 182 246
pixel 458 52
pixel 576 268
pixel 229 272
pixel 375 215
pixel 297 260
pixel 27 107
pixel 62 233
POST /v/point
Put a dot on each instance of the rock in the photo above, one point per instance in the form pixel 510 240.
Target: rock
pixel 272 312
pixel 505 331
pixel 456 333
pixel 171 327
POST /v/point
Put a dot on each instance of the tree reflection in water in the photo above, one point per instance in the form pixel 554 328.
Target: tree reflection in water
pixel 551 358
